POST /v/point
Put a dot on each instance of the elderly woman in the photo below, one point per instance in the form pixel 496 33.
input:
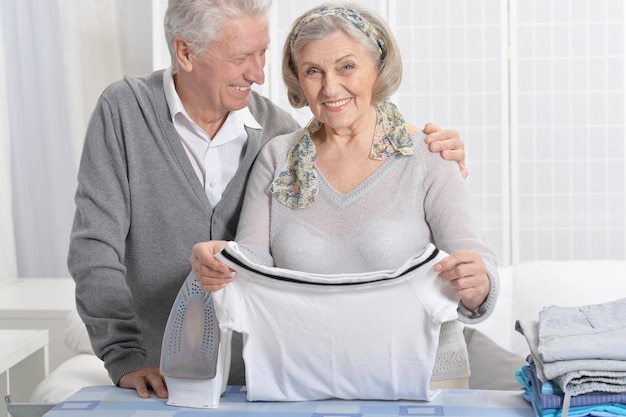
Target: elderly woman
pixel 357 190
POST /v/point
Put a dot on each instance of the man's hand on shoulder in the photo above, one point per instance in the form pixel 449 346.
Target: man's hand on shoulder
pixel 448 143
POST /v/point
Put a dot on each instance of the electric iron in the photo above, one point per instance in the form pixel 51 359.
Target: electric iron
pixel 195 354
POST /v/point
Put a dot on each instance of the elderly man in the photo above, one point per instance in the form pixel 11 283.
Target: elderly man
pixel 165 164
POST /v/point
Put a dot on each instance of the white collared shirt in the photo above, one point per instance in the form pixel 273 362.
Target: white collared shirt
pixel 215 160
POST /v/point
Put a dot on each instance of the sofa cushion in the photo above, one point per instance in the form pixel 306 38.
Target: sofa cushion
pixel 491 366
pixel 76 336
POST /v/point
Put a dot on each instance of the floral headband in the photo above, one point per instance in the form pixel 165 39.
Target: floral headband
pixel 347 14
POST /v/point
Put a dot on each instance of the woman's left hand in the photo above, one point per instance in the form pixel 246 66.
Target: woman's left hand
pixel 466 272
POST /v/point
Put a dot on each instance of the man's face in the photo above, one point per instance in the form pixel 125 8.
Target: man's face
pixel 225 72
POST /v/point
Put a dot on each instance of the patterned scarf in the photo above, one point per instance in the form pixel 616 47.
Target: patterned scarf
pixel 297 185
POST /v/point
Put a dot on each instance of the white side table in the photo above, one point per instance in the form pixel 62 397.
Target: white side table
pixel 23 363
pixel 39 303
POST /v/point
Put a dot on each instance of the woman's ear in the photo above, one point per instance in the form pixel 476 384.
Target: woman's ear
pixel 183 53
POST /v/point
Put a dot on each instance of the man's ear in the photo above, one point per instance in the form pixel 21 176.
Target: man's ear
pixel 183 53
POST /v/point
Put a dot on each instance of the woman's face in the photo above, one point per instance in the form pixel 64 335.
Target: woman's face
pixel 337 78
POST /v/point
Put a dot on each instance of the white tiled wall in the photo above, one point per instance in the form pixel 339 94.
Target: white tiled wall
pixel 568 129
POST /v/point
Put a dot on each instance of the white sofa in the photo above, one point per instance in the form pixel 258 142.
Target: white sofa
pixel 496 349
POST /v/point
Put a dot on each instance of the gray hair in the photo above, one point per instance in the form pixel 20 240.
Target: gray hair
pixel 389 62
pixel 199 22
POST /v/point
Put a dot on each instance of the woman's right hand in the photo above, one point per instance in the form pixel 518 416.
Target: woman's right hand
pixel 212 274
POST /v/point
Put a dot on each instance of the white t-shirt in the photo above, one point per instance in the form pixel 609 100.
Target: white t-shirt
pixel 350 336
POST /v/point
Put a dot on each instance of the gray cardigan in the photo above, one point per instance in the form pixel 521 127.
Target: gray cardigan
pixel 139 210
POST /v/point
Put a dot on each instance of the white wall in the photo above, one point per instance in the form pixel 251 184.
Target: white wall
pixel 7 242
